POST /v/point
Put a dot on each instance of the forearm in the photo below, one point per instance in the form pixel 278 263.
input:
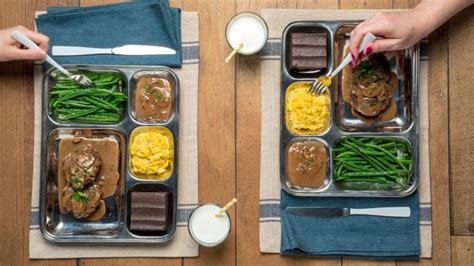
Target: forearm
pixel 434 13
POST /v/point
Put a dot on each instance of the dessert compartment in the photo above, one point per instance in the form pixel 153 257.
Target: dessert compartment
pixel 307 49
pixel 152 210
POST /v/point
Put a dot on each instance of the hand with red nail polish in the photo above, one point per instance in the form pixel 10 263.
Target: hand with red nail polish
pixel 398 30
pixel 368 50
pixel 12 50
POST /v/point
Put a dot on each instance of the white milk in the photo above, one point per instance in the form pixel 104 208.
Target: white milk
pixel 206 229
pixel 249 29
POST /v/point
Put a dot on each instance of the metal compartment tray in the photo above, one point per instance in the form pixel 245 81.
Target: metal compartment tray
pixel 342 122
pixel 114 226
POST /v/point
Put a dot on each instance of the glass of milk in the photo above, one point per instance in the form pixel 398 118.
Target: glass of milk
pixel 249 30
pixel 207 229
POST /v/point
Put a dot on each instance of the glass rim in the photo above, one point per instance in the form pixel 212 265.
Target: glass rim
pixel 258 17
pixel 204 243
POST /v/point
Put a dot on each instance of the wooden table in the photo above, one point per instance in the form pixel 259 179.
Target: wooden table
pixel 229 137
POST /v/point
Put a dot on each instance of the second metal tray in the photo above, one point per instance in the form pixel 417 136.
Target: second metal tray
pixel 342 123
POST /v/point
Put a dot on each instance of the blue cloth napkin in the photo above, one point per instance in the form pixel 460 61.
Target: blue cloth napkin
pixel 145 22
pixel 353 236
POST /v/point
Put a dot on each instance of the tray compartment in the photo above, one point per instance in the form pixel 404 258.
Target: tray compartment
pixel 303 47
pixel 65 225
pixel 170 211
pixel 300 171
pixel 153 150
pixel 165 78
pixel 400 63
pixel 298 106
pixel 404 147
pixel 121 86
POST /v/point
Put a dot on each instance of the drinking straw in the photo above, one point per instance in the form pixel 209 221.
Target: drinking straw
pixel 227 59
pixel 227 206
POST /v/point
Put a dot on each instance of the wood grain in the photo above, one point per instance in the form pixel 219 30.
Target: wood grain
pixel 365 4
pixel 229 137
pixel 439 139
pixel 461 144
pixel 405 3
pixel 216 124
pixel 462 250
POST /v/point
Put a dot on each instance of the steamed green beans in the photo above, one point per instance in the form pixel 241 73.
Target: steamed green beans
pixel 382 160
pixel 104 102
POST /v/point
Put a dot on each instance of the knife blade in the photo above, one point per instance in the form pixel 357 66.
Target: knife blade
pixel 122 50
pixel 341 212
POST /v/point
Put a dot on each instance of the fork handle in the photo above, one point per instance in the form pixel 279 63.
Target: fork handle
pixel 20 37
pixel 369 37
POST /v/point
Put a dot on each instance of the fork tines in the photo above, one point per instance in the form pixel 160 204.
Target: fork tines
pixel 317 88
pixel 83 80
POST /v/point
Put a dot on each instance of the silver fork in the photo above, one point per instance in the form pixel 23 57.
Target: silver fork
pixel 323 82
pixel 80 79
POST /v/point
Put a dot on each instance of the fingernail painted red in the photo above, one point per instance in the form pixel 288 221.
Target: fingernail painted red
pixel 368 50
pixel 354 57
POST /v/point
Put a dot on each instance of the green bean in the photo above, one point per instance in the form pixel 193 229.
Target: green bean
pixel 78 114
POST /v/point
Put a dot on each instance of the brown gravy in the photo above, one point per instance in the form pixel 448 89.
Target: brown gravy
pixel 107 177
pixel 153 99
pixel 306 163
pixel 381 108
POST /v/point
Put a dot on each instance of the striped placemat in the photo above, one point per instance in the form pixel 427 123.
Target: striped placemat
pixel 270 226
pixel 182 244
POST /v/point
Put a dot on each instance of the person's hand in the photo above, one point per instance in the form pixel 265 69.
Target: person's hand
pixel 394 31
pixel 398 30
pixel 13 50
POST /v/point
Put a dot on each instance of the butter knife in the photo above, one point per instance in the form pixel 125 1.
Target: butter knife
pixel 341 212
pixel 122 50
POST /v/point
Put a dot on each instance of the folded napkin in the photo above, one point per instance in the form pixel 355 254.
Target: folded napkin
pixel 145 22
pixel 358 236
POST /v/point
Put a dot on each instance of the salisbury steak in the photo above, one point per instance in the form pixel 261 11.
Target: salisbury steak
pixel 372 86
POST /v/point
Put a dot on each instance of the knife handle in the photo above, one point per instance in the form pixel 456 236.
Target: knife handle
pixel 387 211
pixel 77 50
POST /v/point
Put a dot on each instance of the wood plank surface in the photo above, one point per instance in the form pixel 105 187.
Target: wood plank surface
pixel 216 124
pixel 462 250
pixel 366 4
pixel 461 143
pixel 229 137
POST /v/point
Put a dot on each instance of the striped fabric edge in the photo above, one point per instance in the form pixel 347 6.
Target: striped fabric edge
pixel 184 210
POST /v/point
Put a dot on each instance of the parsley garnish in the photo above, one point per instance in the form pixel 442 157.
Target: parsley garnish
pixel 147 89
pixel 80 196
pixel 159 97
